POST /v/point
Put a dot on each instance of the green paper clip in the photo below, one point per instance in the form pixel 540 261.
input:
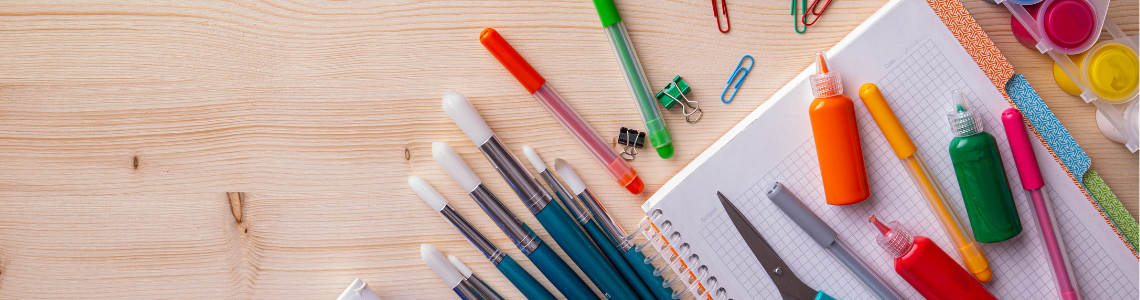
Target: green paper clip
pixel 674 93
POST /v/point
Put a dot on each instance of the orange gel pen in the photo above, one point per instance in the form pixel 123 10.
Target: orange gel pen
pixel 837 139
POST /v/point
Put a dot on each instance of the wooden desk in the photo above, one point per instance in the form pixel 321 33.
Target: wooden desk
pixel 125 124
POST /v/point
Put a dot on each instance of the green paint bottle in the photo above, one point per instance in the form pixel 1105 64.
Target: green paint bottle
pixel 981 176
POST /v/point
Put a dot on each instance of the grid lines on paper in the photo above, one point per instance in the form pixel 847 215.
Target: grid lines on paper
pixel 918 89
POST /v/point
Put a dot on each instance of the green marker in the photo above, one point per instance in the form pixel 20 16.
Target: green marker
pixel 635 78
pixel 981 176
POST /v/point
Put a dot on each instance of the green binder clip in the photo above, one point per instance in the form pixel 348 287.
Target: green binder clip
pixel 674 93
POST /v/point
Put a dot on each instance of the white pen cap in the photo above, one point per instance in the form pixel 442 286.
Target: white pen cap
pixel 569 176
pixel 454 165
pixel 463 113
pixel 427 192
pixel 463 269
pixel 534 159
pixel 438 263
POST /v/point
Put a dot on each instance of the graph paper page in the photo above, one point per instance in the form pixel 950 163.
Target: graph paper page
pixel 907 51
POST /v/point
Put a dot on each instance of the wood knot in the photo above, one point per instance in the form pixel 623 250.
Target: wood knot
pixel 236 200
pixel 135 162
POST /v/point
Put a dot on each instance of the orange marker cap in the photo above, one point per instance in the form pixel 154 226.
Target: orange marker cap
pixel 889 123
pixel 511 60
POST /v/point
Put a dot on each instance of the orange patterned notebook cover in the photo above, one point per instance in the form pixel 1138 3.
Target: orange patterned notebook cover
pixel 999 71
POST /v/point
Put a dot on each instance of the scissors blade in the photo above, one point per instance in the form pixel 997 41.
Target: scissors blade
pixel 789 285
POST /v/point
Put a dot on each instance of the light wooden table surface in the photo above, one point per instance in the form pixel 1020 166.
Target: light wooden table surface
pixel 126 122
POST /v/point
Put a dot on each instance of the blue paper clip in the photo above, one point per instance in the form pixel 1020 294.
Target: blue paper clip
pixel 751 62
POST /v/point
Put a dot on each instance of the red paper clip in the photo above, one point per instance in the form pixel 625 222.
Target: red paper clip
pixel 724 7
pixel 811 11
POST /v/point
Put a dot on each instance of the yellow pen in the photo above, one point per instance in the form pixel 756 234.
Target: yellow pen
pixel 900 141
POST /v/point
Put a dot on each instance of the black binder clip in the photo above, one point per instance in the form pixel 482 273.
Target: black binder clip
pixel 633 140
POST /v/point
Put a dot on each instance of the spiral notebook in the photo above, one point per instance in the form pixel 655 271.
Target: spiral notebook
pixel 916 51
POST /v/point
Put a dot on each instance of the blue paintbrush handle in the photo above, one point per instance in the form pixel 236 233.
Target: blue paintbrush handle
pixel 614 256
pixel 645 271
pixel 522 280
pixel 583 252
pixel 560 274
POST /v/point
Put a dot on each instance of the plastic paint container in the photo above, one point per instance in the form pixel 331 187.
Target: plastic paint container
pixel 1106 76
pixel 1112 69
pixel 1071 26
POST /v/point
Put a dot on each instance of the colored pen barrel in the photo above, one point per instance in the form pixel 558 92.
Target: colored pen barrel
pixel 826 237
pixel 635 78
pixel 972 256
pixel 614 235
pixel 1034 184
pixel 570 120
pixel 552 266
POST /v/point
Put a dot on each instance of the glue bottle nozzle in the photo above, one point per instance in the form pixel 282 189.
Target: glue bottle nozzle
pixel 882 228
pixel 821 61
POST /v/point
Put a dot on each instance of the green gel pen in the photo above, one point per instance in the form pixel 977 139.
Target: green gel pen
pixel 635 78
pixel 981 176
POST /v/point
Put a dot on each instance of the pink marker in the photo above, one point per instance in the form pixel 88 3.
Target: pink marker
pixel 1031 179
pixel 537 86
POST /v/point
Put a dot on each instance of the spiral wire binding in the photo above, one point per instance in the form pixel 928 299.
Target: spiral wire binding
pixel 675 255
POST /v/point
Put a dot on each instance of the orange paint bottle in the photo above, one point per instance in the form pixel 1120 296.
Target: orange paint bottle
pixel 837 139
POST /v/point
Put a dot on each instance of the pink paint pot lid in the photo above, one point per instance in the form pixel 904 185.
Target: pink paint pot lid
pixel 1070 24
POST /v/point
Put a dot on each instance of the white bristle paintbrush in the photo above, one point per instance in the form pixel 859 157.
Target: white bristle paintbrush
pixel 447 272
pixel 480 286
pixel 463 113
pixel 557 222
pixel 440 205
pixel 548 262
pixel 576 208
pixel 454 165
pixel 526 283
pixel 614 231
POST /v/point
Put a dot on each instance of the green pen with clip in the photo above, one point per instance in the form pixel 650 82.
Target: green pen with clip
pixel 635 78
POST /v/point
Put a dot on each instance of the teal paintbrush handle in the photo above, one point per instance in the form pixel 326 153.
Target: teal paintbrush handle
pixel 583 252
pixel 645 271
pixel 822 296
pixel 560 274
pixel 614 256
pixel 522 280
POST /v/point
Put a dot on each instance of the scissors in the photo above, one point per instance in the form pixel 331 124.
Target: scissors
pixel 791 288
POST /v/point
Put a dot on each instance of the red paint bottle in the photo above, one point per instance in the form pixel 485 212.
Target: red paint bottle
pixel 926 267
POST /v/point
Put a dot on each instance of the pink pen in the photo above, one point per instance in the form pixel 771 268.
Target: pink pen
pixel 537 86
pixel 1031 179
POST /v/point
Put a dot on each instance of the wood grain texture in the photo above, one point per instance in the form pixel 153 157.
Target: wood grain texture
pixel 126 122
